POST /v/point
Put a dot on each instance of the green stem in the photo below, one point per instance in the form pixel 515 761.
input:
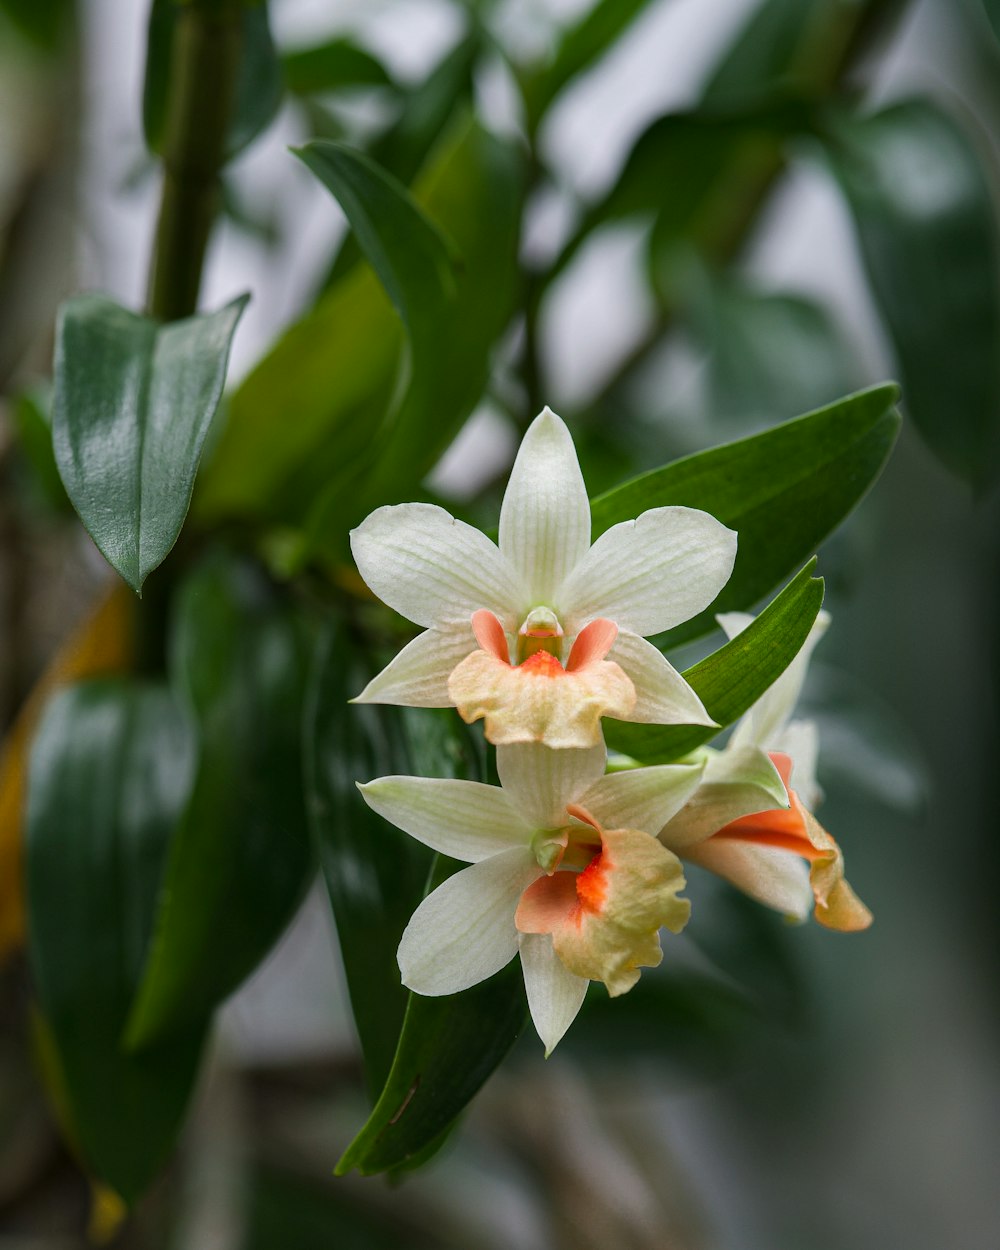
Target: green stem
pixel 204 62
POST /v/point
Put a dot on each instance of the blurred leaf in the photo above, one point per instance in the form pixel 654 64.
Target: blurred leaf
pixel 772 55
pixel 927 224
pixel 110 771
pixel 103 643
pixel 332 66
pixel 449 1047
pixel 783 491
pixel 768 354
pixel 338 369
pixel 133 403
pixel 258 88
pixel 33 423
pixel 992 10
pixel 580 46
pixel 375 874
pixel 732 679
pixel 45 22
pixel 240 860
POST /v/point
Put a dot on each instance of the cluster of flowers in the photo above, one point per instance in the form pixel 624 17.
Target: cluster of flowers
pixel 574 867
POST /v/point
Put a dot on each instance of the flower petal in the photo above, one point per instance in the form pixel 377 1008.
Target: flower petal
pixel 736 782
pixel 433 569
pixel 539 701
pixel 771 876
pixel 663 697
pixel 464 932
pixel 837 906
pixel 625 895
pixel 799 740
pixel 763 724
pixel 643 798
pixel 464 819
pixel 542 782
pixel 555 995
pixel 545 516
pixel 650 574
pixel 418 676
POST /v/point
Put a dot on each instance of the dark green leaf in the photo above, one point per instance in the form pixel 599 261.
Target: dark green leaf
pixel 332 66
pixel 783 491
pixel 927 224
pixel 30 413
pixel 258 86
pixel 408 253
pixel 133 403
pixel 45 22
pixel 241 857
pixel 771 54
pixel 110 770
pixel 733 678
pixel 448 1049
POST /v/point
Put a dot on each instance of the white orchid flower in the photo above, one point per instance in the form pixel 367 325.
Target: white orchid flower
pixel 543 634
pixel 562 871
pixel 751 820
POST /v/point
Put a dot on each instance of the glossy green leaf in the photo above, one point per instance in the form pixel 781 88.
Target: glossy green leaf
pixel 133 403
pixel 783 491
pixel 339 369
pixel 111 768
pixel 241 858
pixel 928 228
pixel 732 679
pixel 448 1049
pixel 259 84
pixel 333 65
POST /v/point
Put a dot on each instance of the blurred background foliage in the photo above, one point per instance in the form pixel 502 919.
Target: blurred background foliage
pixel 677 222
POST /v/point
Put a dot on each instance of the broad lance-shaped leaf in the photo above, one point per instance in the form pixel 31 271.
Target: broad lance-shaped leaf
pixel 133 402
pixel 374 873
pixel 783 492
pixel 930 238
pixel 241 859
pixel 110 771
pixel 448 1049
pixel 732 679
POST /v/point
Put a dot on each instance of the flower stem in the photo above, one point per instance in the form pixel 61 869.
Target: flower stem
pixel 204 61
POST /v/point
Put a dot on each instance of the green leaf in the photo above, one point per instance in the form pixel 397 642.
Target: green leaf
pixel 448 1049
pixel 30 414
pixel 361 436
pixel 783 491
pixel 333 65
pixel 928 229
pixel 772 55
pixel 580 46
pixel 409 254
pixel 259 84
pixel 46 23
pixel 133 403
pixel 732 679
pixel 240 859
pixel 110 770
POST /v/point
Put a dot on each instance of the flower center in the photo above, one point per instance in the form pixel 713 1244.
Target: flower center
pixel 540 631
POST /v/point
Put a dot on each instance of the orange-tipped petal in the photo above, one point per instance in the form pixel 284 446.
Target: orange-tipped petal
pixel 539 701
pixel 490 636
pixel 592 644
pixel 547 904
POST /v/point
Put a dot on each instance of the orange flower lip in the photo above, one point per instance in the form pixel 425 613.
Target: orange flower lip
pixel 592 644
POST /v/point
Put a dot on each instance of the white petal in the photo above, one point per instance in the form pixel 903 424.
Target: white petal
pixel 464 932
pixel 736 782
pixel 663 697
pixel 545 517
pixel 763 724
pixel 463 819
pixel 799 740
pixel 431 568
pixel 650 574
pixel 775 878
pixel 418 676
pixel 555 995
pixel 642 798
pixel 542 780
